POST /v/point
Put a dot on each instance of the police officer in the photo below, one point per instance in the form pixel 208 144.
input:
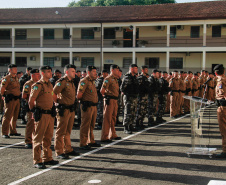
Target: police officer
pixel 210 88
pixel 98 83
pixel 41 104
pixel 195 85
pixel 130 91
pixel 221 103
pixel 35 76
pixel 65 93
pixel 119 98
pixel 110 91
pixel 10 90
pixel 188 83
pixel 87 94
pixel 201 82
pixel 182 89
pixel 153 96
pixel 142 97
pixel 57 75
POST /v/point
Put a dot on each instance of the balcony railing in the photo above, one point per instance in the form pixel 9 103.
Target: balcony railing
pixel 88 43
pixel 56 43
pixel 31 43
pixel 5 43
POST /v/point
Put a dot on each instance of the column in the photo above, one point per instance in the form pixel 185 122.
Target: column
pixel 13 57
pixel 13 37
pixel 41 58
pixel 167 61
pixel 204 60
pixel 168 36
pixel 101 48
pixel 134 57
pixel 204 34
pixel 71 37
pixel 71 57
pixel 134 36
pixel 41 37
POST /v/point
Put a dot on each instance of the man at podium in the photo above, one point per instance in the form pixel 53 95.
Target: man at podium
pixel 221 103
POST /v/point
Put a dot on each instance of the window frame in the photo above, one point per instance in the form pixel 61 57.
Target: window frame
pixel 66 34
pixel 215 35
pixel 195 35
pixel 19 34
pixel 5 37
pixel 90 35
pixel 148 62
pixel 173 66
pixel 86 63
pixel 173 33
pixel 47 61
pixel 19 61
pixel 49 36
pixel 5 62
pixel 109 36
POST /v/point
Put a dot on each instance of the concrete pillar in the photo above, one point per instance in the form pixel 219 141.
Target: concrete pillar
pixel 71 57
pixel 134 36
pixel 13 37
pixel 13 57
pixel 204 60
pixel 101 48
pixel 167 61
pixel 71 37
pixel 134 57
pixel 41 58
pixel 41 37
pixel 204 34
pixel 168 36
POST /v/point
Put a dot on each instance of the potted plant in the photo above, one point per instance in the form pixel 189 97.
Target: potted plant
pixel 142 43
pixel 115 43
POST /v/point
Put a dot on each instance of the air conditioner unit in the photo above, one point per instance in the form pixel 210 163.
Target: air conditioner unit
pixel 76 59
pixel 96 29
pixel 118 28
pixel 32 58
pixel 223 25
pixel 57 58
pixel 160 28
pixel 208 25
pixel 180 27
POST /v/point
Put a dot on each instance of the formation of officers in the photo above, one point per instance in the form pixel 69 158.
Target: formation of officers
pixel 46 98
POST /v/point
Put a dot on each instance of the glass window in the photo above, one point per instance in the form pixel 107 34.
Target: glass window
pixel 195 31
pixel 87 61
pixel 49 61
pixel 109 33
pixel 87 34
pixel 173 31
pixel 216 31
pixel 4 61
pixel 48 34
pixel 21 34
pixel 66 33
pixel 64 62
pixel 152 62
pixel 176 63
pixel 4 34
pixel 127 62
pixel 21 61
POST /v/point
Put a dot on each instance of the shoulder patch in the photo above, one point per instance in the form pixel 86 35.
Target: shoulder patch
pixel 106 81
pixel 58 84
pixel 82 84
pixel 220 86
pixel 26 86
pixel 35 87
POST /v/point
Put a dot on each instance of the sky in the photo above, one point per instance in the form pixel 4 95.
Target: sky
pixel 50 3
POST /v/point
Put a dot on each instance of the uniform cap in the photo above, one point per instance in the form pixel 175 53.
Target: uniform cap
pixel 57 71
pixel 175 71
pixel 68 66
pixel 90 68
pixel 45 67
pixel 104 71
pixel 155 71
pixel 164 72
pixel 10 66
pixel 34 71
pixel 144 67
pixel 114 66
pixel 29 68
pixel 133 65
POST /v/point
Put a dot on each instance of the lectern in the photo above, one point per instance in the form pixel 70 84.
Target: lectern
pixel 197 106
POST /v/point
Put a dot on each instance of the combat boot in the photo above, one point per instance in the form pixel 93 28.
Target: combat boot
pixel 160 120
pixel 127 130
pixel 151 122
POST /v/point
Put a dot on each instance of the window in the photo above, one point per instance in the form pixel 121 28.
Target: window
pixel 49 61
pixel 21 34
pixel 176 63
pixel 48 34
pixel 152 63
pixel 87 34
pixel 64 62
pixel 127 62
pixel 173 31
pixel 4 61
pixel 4 34
pixel 87 61
pixel 66 34
pixel 109 33
pixel 21 61
pixel 195 31
pixel 216 31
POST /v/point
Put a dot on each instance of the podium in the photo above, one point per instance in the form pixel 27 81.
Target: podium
pixel 197 106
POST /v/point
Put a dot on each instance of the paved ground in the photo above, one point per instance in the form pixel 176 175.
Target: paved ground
pixel 155 156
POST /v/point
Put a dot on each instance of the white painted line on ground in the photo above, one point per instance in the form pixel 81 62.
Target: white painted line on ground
pixel 91 152
pixel 216 182
pixel 8 146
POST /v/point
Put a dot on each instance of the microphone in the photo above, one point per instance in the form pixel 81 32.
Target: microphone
pixel 208 81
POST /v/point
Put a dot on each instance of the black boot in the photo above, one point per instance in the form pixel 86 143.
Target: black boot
pixel 160 120
pixel 99 126
pixel 127 130
pixel 151 122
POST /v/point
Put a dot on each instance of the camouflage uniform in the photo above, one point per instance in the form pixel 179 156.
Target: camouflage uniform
pixel 152 98
pixel 129 88
pixel 53 80
pixel 119 101
pixel 142 100
pixel 76 81
pixel 98 85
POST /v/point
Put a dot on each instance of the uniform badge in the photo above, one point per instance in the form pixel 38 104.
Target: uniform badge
pixel 26 86
pixel 220 86
pixel 82 84
pixel 106 81
pixel 3 82
pixel 81 87
pixel 52 93
pixel 58 84
pixel 35 88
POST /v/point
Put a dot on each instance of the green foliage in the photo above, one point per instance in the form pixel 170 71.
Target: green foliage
pixel 117 2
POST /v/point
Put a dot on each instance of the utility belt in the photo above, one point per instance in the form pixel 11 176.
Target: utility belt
pixel 183 91
pixel 131 95
pixel 210 87
pixel 194 90
pixel 10 97
pixel 221 102
pixel 61 108
pixel 107 98
pixel 87 104
pixel 38 112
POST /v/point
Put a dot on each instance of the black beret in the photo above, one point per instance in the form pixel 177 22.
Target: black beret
pixel 120 70
pixel 114 66
pixel 181 72
pixel 175 71
pixel 164 72
pixel 19 72
pixel 185 72
pixel 104 71
pixel 57 71
pixel 84 71
pixel 155 71
pixel 29 68
pixel 78 71
pixel 45 67
pixel 10 66
pixel 195 74
pixel 219 67
pixel 34 71
pixel 210 73
pixel 144 67
pixel 90 68
pixel 160 71
pixel 189 72
pixel 133 65
pixel 68 66
pixel 170 73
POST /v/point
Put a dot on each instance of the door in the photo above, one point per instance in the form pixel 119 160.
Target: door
pixel 128 37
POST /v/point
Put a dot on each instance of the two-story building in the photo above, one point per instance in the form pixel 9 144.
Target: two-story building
pixel 184 36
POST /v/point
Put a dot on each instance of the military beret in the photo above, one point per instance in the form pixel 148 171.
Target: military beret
pixel 185 72
pixel 34 71
pixel 160 71
pixel 104 71
pixel 210 73
pixel 181 72
pixel 219 67
pixel 114 66
pixel 29 68
pixel 120 70
pixel 170 73
pixel 19 72
pixel 90 68
pixel 195 74
pixel 175 71
pixel 133 65
pixel 10 66
pixel 189 72
pixel 45 67
pixel 84 71
pixel 155 71
pixel 164 72
pixel 57 71
pixel 69 66
pixel 144 67
pixel 78 71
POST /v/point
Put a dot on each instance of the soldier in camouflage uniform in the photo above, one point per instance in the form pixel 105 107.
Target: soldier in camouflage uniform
pixel 153 96
pixel 119 98
pixel 130 91
pixel 98 83
pixel 57 75
pixel 142 98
